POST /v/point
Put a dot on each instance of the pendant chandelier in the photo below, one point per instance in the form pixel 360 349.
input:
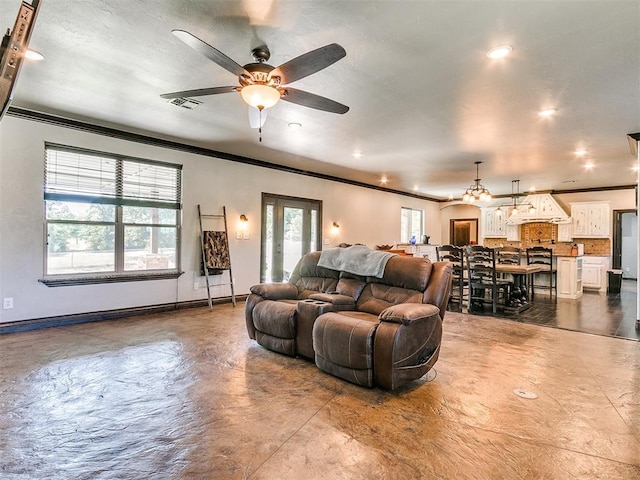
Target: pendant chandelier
pixel 514 208
pixel 477 191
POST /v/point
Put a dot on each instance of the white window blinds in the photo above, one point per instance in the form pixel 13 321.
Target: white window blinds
pixel 76 175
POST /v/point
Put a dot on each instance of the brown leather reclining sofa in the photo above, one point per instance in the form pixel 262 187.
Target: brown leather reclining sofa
pixel 367 330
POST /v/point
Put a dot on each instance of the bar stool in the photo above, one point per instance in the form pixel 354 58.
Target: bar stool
pixel 543 257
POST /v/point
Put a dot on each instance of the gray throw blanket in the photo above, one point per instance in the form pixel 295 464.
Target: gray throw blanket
pixel 357 259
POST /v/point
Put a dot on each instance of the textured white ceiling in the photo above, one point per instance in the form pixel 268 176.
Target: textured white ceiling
pixel 425 101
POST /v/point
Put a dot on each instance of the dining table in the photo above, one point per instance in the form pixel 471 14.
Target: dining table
pixel 522 277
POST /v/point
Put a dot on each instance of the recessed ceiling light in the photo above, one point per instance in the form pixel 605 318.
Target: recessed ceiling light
pixel 357 154
pixel 295 125
pixel 580 152
pixel 548 112
pixel 33 55
pixel 634 168
pixel 589 166
pixel 384 180
pixel 450 197
pixel 416 188
pixel 532 189
pixel 499 52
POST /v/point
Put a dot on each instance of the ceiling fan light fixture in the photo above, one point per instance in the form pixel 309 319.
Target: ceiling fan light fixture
pixel 260 96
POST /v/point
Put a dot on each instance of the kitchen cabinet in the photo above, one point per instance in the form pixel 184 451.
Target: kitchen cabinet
pixel 423 250
pixel 594 273
pixel 591 219
pixel 565 232
pixel 493 223
pixel 569 277
pixel 513 233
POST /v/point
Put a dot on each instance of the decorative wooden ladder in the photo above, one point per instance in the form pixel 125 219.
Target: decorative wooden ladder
pixel 222 217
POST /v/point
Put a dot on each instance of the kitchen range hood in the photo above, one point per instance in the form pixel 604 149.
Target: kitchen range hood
pixel 546 210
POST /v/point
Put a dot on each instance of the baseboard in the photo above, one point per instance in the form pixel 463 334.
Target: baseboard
pixel 65 320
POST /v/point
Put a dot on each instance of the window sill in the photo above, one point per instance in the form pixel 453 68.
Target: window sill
pixel 63 281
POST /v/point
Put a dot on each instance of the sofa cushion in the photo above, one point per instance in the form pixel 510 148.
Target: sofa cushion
pixel 350 285
pixel 375 298
pixel 411 273
pixel 309 278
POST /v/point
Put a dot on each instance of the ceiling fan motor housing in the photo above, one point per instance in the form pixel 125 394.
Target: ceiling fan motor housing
pixel 259 74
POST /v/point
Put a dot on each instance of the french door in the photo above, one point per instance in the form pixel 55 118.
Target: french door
pixel 291 227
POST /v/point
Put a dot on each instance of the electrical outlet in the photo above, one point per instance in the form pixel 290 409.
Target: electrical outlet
pixel 196 286
pixel 326 241
pixel 238 235
pixel 7 303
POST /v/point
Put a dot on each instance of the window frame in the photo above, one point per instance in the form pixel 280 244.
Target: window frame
pixel 410 212
pixel 119 200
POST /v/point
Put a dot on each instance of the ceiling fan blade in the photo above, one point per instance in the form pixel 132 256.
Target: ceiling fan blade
pixel 200 92
pixel 210 52
pixel 311 100
pixel 256 119
pixel 310 62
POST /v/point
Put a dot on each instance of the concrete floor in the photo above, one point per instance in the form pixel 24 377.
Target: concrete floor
pixel 187 395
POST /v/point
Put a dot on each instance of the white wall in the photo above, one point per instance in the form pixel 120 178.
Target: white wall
pixel 365 216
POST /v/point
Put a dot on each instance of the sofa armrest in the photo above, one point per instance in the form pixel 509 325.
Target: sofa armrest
pixel 406 313
pixel 406 344
pixel 276 291
pixel 341 302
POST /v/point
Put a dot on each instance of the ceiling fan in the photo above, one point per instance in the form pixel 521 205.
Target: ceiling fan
pixel 262 85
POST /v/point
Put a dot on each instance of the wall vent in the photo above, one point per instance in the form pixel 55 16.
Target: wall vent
pixel 188 103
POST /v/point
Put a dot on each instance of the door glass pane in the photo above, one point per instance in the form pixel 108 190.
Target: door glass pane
pixel 268 244
pixel 313 244
pixel 292 241
pixel 80 248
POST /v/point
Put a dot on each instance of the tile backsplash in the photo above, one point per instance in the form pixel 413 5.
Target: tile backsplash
pixel 546 235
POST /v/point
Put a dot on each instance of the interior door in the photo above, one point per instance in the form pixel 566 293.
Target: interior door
pixel 290 229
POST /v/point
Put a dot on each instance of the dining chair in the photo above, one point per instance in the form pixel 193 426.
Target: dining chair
pixel 484 285
pixel 455 255
pixel 509 255
pixel 543 257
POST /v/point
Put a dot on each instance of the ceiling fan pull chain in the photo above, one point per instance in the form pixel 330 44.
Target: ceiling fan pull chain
pixel 260 127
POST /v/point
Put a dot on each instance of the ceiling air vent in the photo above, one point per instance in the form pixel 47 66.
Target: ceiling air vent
pixel 188 103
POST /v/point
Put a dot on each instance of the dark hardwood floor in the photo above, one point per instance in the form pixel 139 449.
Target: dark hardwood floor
pixel 611 315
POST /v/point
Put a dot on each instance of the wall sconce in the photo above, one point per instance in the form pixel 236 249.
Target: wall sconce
pixel 243 228
pixel 335 225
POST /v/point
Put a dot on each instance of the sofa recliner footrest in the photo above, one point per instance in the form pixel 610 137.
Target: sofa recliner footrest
pixel 275 325
pixel 343 344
